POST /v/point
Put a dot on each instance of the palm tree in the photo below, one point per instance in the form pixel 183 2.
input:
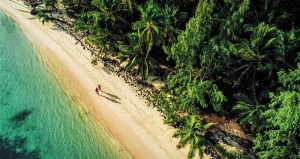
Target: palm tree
pixel 151 23
pixel 109 14
pixel 194 133
pixel 43 17
pixel 106 40
pixel 173 19
pixel 249 109
pixel 129 4
pixel 261 53
pixel 105 24
pixel 138 53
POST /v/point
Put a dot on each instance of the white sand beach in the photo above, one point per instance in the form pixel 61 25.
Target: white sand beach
pixel 126 117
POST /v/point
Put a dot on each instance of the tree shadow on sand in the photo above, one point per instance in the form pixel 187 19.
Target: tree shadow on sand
pixel 24 11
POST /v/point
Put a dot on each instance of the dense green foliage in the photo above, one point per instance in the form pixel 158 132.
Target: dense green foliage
pixel 280 134
pixel 239 46
pixel 237 58
pixel 116 27
pixel 194 133
pixel 43 17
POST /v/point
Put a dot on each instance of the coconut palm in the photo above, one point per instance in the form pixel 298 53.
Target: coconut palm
pixel 250 108
pixel 43 17
pixel 261 53
pixel 151 23
pixel 129 5
pixel 104 23
pixel 173 20
pixel 138 53
pixel 106 40
pixel 194 133
pixel 109 14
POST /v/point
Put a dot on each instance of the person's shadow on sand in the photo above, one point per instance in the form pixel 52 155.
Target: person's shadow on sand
pixel 112 95
pixel 110 99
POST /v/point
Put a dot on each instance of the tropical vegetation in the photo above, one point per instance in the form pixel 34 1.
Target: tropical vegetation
pixel 235 58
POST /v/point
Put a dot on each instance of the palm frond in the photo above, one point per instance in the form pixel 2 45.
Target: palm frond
pixel 192 150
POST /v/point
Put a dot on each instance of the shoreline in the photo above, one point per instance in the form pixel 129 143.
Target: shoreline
pixel 138 128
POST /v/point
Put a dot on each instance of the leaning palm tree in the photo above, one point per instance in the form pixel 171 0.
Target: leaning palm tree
pixel 194 133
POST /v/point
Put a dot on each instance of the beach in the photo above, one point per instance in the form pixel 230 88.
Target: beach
pixel 125 116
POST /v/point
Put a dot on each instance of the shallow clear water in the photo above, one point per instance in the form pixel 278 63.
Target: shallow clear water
pixel 38 119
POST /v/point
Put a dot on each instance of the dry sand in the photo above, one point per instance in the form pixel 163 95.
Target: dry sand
pixel 138 128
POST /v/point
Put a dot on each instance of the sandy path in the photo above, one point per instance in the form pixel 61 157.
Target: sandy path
pixel 125 116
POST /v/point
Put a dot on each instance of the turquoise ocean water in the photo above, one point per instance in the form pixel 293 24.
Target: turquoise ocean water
pixel 38 119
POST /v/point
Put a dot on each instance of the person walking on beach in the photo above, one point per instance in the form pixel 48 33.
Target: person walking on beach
pixel 97 90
